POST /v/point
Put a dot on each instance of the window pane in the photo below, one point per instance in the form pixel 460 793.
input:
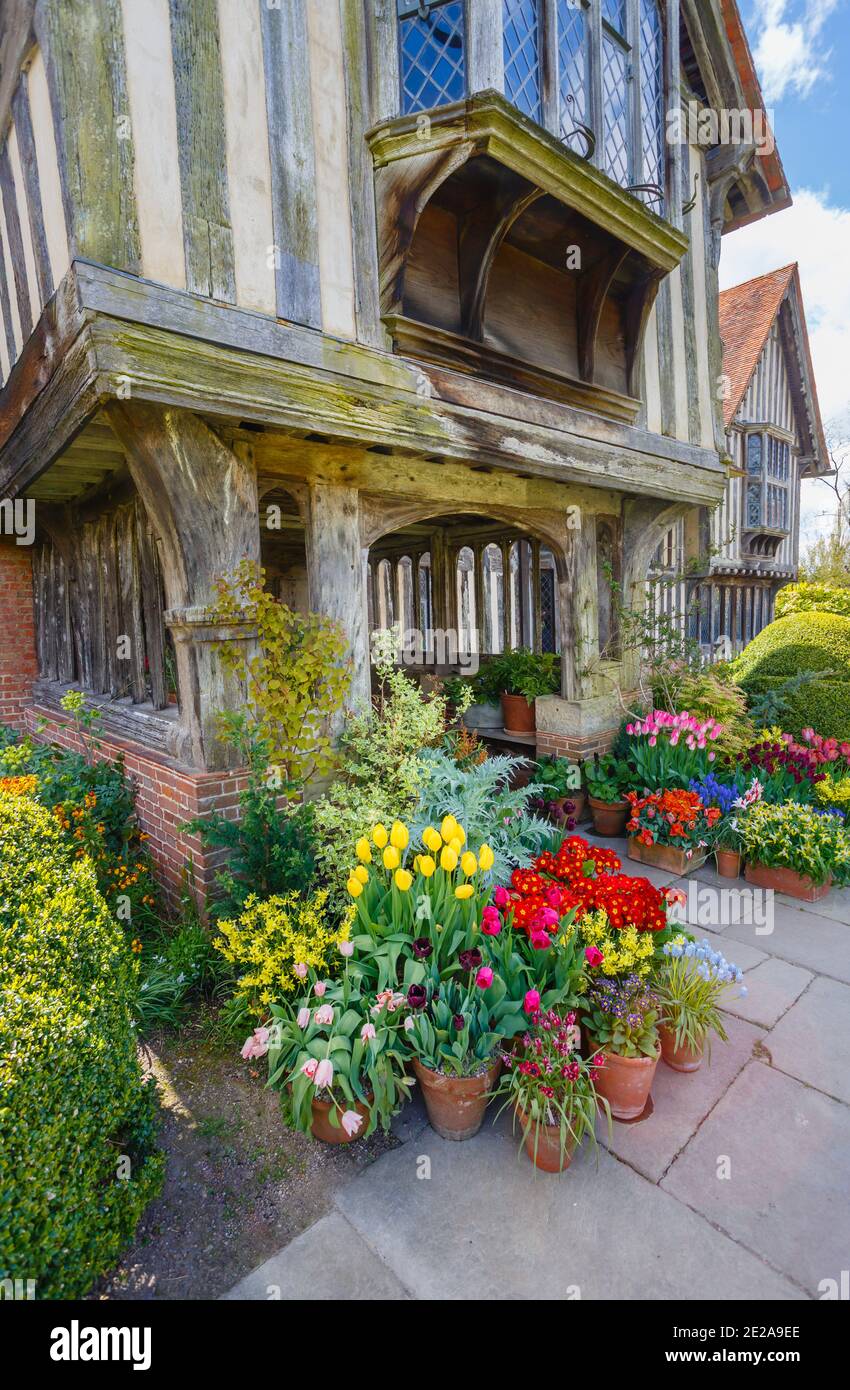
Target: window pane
pixel 754 504
pixel 522 56
pixel 652 97
pixel 572 71
pixel 615 100
pixel 432 60
pixel 754 453
pixel 614 13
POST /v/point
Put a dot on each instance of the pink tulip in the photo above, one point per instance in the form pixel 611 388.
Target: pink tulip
pixel 593 956
pixel 501 898
pixel 351 1122
pixel 257 1045
pixel 301 970
pixel 319 988
pixel 540 941
pixel 409 1023
pixel 346 948
pixel 303 1017
pixel 531 1002
pixel 324 1074
pixel 309 1068
pixel 325 1014
pixel 367 1031
pixel 484 978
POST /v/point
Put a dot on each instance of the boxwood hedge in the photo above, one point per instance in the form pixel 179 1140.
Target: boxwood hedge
pixel 809 641
pixel 78 1157
pixel 809 598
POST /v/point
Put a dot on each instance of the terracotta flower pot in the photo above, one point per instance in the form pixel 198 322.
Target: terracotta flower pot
pixel 456 1104
pixel 681 1058
pixel 665 856
pixel 547 1138
pixel 728 863
pixel 609 817
pixel 330 1134
pixel 518 714
pixel 577 800
pixel 787 881
pixel 625 1082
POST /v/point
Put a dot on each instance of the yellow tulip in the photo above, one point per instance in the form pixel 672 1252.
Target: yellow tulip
pixel 403 880
pixel 399 835
pixel 486 857
pixel 456 844
pixel 432 839
pixel 469 863
pixel 460 834
pixel 362 873
pixel 448 827
pixel 355 887
pixel 464 890
pixel 426 865
pixel 364 853
pixel 380 836
pixel 392 859
pixel 448 859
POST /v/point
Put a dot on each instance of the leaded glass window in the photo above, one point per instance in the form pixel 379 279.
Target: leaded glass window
pixel 768 482
pixel 616 122
pixel 521 23
pixel 573 71
pixel 652 97
pixel 433 70
pixel 614 12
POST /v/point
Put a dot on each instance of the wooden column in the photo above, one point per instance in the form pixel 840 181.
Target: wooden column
pixel 536 596
pixel 478 573
pixel 335 571
pixel 507 596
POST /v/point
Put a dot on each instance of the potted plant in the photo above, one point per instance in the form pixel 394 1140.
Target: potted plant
pixel 551 1090
pixel 561 789
pixel 607 778
pixel 725 836
pixel 794 849
pixel 690 984
pixel 485 711
pixel 622 1023
pixel 670 829
pixel 338 1058
pixel 522 676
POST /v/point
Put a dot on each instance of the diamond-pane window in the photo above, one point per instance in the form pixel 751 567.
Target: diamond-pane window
pixel 614 13
pixel 573 83
pixel 522 55
pixel 652 98
pixel 615 104
pixel 432 56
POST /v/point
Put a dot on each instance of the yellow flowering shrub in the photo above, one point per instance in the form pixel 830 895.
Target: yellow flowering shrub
pixel 276 940
pixel 18 786
pixel 624 952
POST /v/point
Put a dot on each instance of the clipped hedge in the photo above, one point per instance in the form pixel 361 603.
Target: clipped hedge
pixel 78 1160
pixel 813 598
pixel 810 641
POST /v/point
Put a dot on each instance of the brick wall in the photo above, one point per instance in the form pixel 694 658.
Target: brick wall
pixel 576 749
pixel 18 666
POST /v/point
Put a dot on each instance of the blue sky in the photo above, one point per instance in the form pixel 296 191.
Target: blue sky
pixel 802 53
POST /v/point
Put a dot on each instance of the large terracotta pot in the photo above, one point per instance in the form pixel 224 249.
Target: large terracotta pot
pixel 609 817
pixel 787 881
pixel 665 856
pixel 518 714
pixel 328 1133
pixel 679 1058
pixel 728 863
pixel 456 1104
pixel 548 1141
pixel 578 801
pixel 625 1082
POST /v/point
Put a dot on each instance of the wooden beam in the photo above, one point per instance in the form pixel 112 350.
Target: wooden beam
pixel 16 242
pixel 481 233
pixel 367 305
pixel 29 165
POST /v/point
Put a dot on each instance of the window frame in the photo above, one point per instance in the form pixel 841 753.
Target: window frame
pixel 770 443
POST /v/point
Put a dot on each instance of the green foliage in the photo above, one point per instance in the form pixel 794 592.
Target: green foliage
pixel 523 672
pixel 78 1162
pixel 608 778
pixel 296 681
pixel 797 837
pixel 557 777
pixel 274 941
pixel 707 693
pixel 810 598
pixel 271 850
pixel 834 793
pixel 483 800
pixel 827 561
pixel 799 643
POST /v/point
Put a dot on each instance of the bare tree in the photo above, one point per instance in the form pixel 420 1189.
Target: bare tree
pixel 827 559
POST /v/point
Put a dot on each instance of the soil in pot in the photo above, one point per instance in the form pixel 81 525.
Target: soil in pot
pixel 547 1139
pixel 518 714
pixel 456 1104
pixel 625 1082
pixel 728 863
pixel 681 1058
pixel 609 817
pixel 330 1134
pixel 787 881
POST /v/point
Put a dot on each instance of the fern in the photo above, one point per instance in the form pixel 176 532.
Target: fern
pixel 485 804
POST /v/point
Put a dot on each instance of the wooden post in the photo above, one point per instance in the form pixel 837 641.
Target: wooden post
pixel 335 570
pixel 536 596
pixel 507 597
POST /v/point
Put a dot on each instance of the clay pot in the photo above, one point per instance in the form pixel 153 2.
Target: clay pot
pixel 577 800
pixel 609 817
pixel 625 1082
pixel 518 714
pixel 330 1134
pixel 456 1104
pixel 681 1058
pixel 665 856
pixel 549 1157
pixel 728 863
pixel 787 881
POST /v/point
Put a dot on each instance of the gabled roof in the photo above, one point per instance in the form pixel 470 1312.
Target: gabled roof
pixel 747 315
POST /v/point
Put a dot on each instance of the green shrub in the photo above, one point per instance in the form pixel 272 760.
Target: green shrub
pixel 706 694
pixel 78 1162
pixel 812 598
pixel 802 642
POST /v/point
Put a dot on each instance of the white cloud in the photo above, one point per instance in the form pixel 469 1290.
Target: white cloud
pixel 789 52
pixel 816 235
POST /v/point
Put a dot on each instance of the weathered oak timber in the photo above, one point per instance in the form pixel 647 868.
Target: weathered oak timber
pixel 367 307
pixel 16 243
pixel 29 165
pixel 336 570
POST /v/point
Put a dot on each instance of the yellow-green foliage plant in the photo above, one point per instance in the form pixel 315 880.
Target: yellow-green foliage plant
pixel 274 943
pixel 78 1157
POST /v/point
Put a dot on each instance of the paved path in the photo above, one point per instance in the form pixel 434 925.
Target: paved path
pixel 736 1187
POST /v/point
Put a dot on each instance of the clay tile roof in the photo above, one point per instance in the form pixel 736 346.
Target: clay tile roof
pixel 747 313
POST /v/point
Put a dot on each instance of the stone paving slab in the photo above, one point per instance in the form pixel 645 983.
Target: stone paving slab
pixel 789 1153
pixel 485 1225
pixel 836 905
pixel 816 943
pixel 772 988
pixel 812 1041
pixel 681 1100
pixel 747 957
pixel 330 1260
